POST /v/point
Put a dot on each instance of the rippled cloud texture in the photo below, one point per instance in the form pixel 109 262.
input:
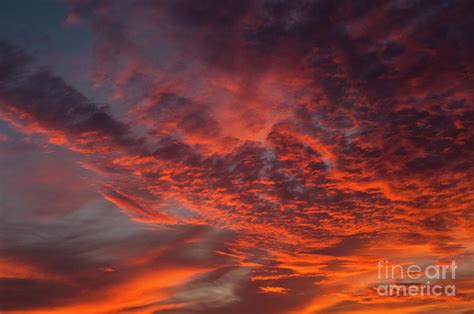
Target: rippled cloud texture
pixel 233 156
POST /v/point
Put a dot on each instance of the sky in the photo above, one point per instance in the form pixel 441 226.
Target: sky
pixel 207 157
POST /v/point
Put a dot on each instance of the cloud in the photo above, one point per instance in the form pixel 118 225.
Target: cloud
pixel 321 135
pixel 41 102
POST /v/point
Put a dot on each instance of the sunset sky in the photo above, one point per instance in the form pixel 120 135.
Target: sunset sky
pixel 233 156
